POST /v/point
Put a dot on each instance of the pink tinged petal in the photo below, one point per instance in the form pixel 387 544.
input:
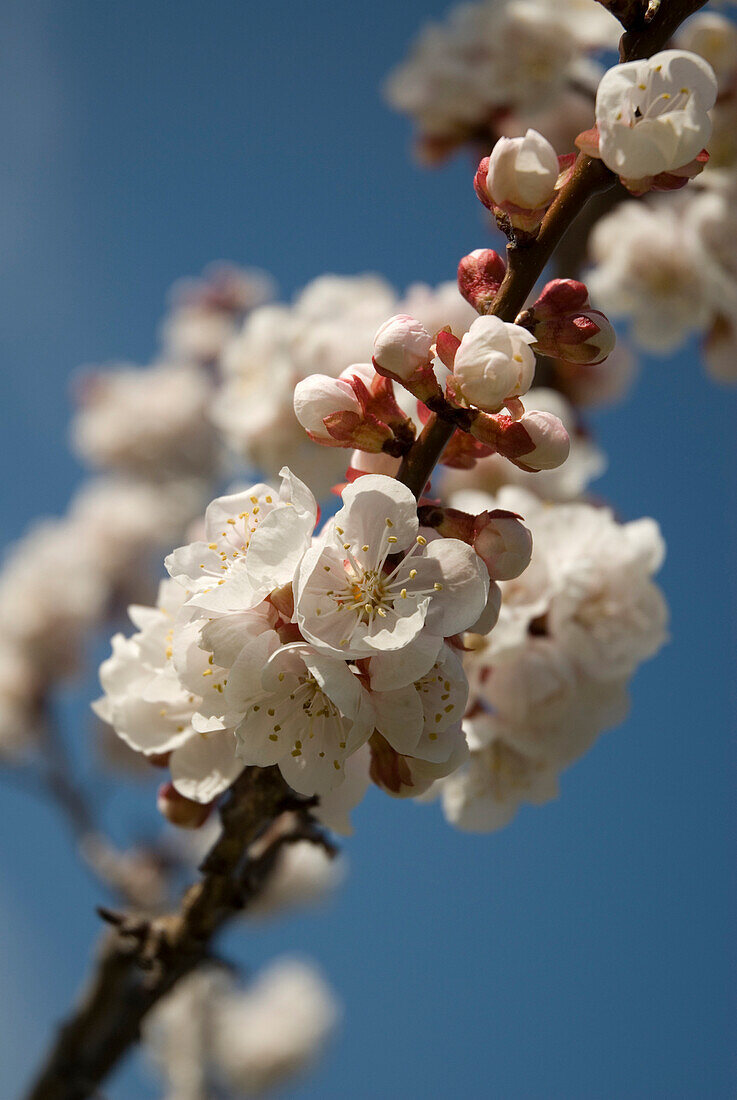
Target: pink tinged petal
pixel 465 586
pixel 399 717
pixel 397 669
pixel 205 765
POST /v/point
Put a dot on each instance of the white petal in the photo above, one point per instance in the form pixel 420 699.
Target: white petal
pixel 465 582
pixel 205 765
pixel 399 717
pixel 391 670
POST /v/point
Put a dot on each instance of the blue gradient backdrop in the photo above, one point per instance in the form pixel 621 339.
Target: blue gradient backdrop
pixel 585 953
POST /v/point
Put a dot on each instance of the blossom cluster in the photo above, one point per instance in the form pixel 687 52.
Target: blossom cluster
pixel 329 327
pixel 145 433
pixel 553 675
pixel 272 646
pixel 498 66
pixel 666 264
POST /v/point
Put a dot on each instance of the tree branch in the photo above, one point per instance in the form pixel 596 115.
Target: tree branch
pixel 142 960
pixel 526 261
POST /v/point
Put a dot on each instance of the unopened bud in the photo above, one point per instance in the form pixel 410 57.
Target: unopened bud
pixel 560 297
pixel 318 397
pixel 550 441
pixel 181 811
pixel 479 277
pixel 494 362
pixel 503 543
pixel 401 345
pixel 565 327
pixel 522 175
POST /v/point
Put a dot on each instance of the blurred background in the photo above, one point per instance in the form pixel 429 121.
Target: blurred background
pixel 587 951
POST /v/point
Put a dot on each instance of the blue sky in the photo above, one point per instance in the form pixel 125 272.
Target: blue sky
pixel 585 953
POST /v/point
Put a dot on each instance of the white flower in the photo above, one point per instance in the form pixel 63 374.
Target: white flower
pixel 490 58
pixel 155 713
pixel 335 806
pixel 150 422
pixel 52 590
pixel 588 587
pixel 494 362
pixel 276 1030
pixel 20 710
pixel 253 542
pixel 125 519
pixel 210 1035
pixel 401 345
pixel 713 37
pixel 330 325
pixel 421 719
pixel 205 311
pixel 298 708
pixel 652 267
pixel 522 171
pixel 487 791
pixel 652 115
pixel 348 602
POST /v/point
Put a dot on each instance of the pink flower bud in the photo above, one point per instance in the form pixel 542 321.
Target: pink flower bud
pixel 522 173
pixel 560 297
pixel 503 543
pixel 181 811
pixel 584 338
pixel 318 397
pixel 479 277
pixel 401 346
pixel 479 183
pixel 565 327
pixel 549 439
